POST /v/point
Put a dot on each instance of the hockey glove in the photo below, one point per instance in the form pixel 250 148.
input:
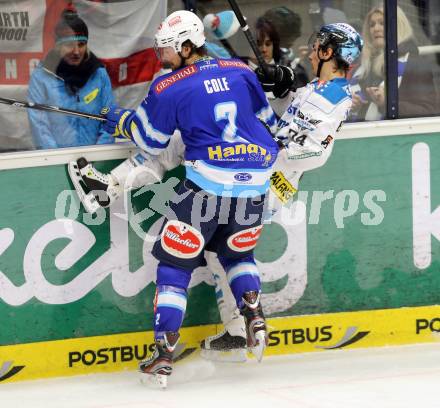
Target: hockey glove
pixel 278 79
pixel 116 117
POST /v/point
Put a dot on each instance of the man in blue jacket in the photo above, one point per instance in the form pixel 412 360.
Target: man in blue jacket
pixel 70 76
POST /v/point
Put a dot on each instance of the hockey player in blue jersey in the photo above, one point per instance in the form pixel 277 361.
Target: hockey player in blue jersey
pixel 218 106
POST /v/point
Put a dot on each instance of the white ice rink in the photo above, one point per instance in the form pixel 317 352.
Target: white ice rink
pixel 397 377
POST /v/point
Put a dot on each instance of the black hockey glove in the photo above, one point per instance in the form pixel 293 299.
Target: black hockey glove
pixel 277 79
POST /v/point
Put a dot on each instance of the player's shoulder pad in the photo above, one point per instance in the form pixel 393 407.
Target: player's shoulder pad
pixel 167 82
pixel 334 91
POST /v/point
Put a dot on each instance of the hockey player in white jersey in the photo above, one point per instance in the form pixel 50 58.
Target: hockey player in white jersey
pixel 308 129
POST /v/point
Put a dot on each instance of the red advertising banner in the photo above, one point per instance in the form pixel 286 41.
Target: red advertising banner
pixel 26 35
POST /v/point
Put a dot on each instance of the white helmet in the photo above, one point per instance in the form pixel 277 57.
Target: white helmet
pixel 179 27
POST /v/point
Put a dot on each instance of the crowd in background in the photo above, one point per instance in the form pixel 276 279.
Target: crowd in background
pixel 72 76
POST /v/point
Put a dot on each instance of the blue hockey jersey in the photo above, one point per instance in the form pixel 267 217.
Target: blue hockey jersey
pixel 218 106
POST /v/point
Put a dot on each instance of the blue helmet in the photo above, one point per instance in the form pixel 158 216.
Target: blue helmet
pixel 344 39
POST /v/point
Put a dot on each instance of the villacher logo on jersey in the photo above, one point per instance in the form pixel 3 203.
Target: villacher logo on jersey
pixel 246 240
pixel 181 240
pixel 8 370
pixel 185 242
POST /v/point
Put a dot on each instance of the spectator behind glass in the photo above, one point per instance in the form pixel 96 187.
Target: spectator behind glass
pixel 72 77
pixel 326 12
pixel 417 96
pixel 287 26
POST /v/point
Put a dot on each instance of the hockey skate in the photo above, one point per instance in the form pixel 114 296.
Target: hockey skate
pixel 94 188
pixel 256 331
pixel 229 345
pixel 156 369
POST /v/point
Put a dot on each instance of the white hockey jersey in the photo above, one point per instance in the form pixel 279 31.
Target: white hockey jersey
pixel 312 120
pixel 310 124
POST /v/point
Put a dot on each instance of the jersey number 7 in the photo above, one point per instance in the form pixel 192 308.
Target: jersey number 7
pixel 228 111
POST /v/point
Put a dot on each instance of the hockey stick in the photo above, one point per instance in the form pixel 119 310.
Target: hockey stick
pixel 56 109
pixel 248 34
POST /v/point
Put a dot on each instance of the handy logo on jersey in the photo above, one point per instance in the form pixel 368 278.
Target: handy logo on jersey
pixel 243 177
pixel 245 240
pixel 181 240
pixel 233 63
pixel 182 74
pixel 219 152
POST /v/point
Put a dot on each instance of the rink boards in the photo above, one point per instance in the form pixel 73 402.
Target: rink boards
pixel 360 269
pixel 287 335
